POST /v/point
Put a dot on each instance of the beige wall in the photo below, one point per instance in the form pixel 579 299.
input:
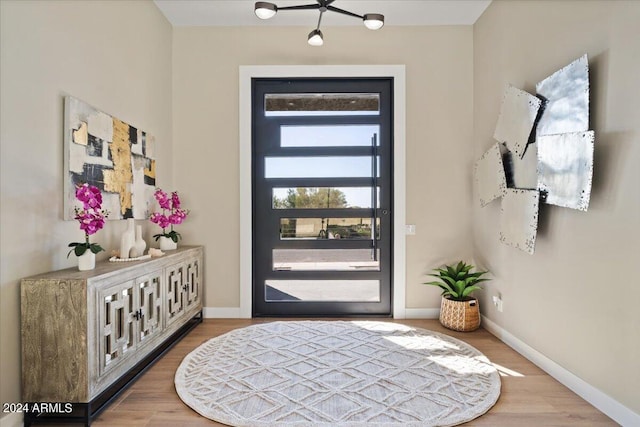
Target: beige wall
pixel 118 57
pixel 574 300
pixel 114 55
pixel 439 129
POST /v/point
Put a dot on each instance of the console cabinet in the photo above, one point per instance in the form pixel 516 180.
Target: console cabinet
pixel 87 334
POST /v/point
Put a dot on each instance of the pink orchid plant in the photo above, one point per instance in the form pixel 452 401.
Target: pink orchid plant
pixel 172 214
pixel 91 218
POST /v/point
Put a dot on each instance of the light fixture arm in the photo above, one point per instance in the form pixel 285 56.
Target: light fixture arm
pixel 300 7
pixel 266 10
pixel 344 12
pixel 319 19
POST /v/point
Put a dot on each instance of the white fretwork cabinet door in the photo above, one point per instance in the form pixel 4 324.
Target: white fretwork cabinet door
pixel 192 297
pixel 116 323
pixel 149 303
pixel 175 277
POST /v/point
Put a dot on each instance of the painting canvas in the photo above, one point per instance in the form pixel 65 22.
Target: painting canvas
pixel 115 156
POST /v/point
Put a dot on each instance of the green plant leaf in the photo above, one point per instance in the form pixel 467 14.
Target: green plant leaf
pixel 476 274
pixel 439 284
pixel 470 289
pixel 95 248
pixel 80 249
pixel 449 280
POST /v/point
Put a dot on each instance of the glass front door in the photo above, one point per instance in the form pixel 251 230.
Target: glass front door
pixel 322 180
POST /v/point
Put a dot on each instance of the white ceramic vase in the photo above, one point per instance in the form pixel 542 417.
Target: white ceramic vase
pixel 166 244
pixel 139 245
pixel 128 239
pixel 87 261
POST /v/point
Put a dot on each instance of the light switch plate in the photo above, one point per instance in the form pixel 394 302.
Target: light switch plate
pixel 410 229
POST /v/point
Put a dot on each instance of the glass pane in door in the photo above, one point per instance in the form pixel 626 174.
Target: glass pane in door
pixel 323 290
pixel 318 104
pixel 319 167
pixel 328 135
pixel 327 228
pixel 326 260
pixel 323 198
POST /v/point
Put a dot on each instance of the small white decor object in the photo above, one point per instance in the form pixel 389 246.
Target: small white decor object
pixel 128 239
pixel 154 253
pixel 87 261
pixel 167 244
pixel 118 259
pixel 140 245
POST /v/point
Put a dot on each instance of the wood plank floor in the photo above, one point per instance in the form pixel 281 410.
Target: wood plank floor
pixel 529 396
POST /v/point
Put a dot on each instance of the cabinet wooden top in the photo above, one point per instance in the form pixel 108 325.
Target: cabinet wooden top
pixel 106 268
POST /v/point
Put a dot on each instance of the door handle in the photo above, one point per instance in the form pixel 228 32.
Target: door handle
pixel 374 198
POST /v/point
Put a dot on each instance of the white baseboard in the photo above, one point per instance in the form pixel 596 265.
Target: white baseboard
pixel 221 312
pixel 421 313
pixel 12 420
pixel 603 402
pixel 234 313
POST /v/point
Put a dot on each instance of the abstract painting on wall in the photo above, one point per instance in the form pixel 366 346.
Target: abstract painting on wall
pixel 114 156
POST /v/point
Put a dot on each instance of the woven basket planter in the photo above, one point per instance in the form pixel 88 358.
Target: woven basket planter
pixel 461 316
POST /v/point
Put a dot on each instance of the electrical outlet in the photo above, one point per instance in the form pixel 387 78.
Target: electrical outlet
pixel 497 301
pixel 410 229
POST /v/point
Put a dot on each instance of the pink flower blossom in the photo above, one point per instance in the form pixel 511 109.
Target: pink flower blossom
pixel 171 214
pixel 163 199
pixel 91 218
pixel 90 221
pixel 160 219
pixel 89 195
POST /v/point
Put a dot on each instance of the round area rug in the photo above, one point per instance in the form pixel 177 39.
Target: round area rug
pixel 338 374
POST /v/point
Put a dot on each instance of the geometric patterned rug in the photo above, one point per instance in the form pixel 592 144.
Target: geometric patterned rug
pixel 337 374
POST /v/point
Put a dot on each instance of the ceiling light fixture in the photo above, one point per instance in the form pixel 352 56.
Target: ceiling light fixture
pixel 266 10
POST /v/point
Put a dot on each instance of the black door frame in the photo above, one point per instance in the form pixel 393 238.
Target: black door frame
pixel 261 195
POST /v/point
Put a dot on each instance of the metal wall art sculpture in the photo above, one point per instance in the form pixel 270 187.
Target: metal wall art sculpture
pixel 491 181
pixel 519 219
pixel 557 168
pixel 566 100
pixel 517 117
pixel 521 172
pixel 565 168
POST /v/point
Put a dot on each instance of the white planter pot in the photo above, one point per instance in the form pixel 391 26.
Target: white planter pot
pixel 87 261
pixel 166 244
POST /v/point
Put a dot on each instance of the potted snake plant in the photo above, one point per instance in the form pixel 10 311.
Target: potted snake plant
pixel 458 309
